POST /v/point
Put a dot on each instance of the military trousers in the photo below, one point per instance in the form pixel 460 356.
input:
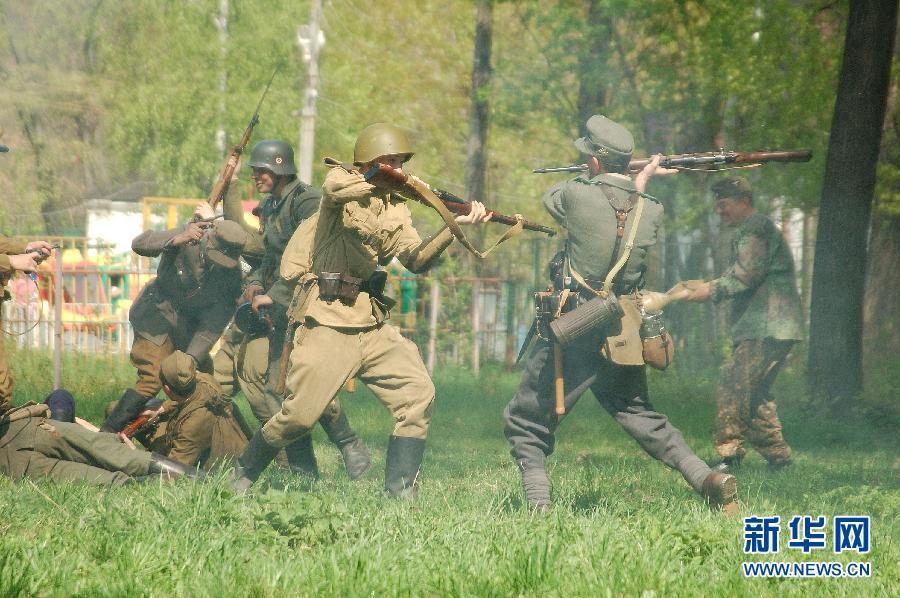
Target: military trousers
pixel 242 363
pixel 39 448
pixel 745 409
pixel 324 358
pixel 530 420
pixel 146 357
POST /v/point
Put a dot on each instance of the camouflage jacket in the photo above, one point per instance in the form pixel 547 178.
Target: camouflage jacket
pixel 760 284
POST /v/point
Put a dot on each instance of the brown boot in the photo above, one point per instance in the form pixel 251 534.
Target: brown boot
pixel 720 491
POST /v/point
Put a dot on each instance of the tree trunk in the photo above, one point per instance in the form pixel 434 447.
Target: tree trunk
pixel 836 322
pixel 476 147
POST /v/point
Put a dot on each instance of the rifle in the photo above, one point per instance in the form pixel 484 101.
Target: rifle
pixel 395 179
pixel 220 189
pixel 707 161
pixel 145 419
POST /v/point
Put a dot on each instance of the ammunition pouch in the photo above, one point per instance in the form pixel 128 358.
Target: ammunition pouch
pixel 592 318
pixel 334 286
pixel 657 346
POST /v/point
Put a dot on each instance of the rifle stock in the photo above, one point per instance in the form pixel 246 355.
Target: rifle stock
pixel 709 161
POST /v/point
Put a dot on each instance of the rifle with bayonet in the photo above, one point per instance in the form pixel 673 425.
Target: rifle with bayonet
pixel 706 161
pixel 220 189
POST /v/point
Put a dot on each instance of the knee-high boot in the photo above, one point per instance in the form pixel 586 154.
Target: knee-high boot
pixel 353 450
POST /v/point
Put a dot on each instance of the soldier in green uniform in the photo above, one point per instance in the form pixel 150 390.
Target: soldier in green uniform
pixel 288 202
pixel 360 226
pixel 599 210
pixel 35 446
pixel 766 321
pixel 14 256
pixel 186 307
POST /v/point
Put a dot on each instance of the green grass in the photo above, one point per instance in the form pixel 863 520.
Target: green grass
pixel 621 524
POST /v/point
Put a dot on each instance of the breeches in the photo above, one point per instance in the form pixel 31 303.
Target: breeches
pixel 324 358
pixel 530 421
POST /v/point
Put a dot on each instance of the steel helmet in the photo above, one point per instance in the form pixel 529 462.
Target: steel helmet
pixel 274 155
pixel 381 139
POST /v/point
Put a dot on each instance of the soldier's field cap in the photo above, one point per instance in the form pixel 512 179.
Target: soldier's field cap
pixel 606 139
pixel 225 243
pixel 733 188
pixel 179 370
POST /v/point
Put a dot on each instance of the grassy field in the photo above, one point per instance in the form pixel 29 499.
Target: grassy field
pixel 621 524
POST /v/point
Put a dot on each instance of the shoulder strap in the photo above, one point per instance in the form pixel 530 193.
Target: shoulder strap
pixel 629 244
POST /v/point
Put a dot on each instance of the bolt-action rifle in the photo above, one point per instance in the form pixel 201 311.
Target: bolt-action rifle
pixel 708 161
pixel 401 183
pixel 220 189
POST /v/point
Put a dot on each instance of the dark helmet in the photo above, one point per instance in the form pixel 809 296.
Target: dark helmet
pixel 381 139
pixel 274 155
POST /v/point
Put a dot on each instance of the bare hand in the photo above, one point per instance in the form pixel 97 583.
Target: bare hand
pixel 204 211
pixel 41 247
pixel 193 232
pixel 24 262
pixel 261 301
pixel 234 162
pixel 477 214
pixel 650 170
pixel 252 290
pixel 700 293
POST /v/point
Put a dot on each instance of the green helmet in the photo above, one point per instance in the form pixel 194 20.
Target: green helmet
pixel 381 139
pixel 274 155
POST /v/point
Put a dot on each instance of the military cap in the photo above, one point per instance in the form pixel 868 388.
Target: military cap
pixel 179 371
pixel 609 141
pixel 62 405
pixel 224 243
pixel 733 188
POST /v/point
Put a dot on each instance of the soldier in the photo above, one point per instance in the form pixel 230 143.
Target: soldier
pixel 187 305
pixel 344 334
pixel 197 424
pixel 14 256
pixel 288 202
pixel 600 210
pixel 766 321
pixel 34 445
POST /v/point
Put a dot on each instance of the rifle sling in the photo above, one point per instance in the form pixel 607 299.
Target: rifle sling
pixel 426 196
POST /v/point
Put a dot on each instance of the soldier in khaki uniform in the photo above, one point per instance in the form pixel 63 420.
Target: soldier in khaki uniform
pixel 288 202
pixel 186 307
pixel 600 210
pixel 14 256
pixel 360 226
pixel 766 322
pixel 198 424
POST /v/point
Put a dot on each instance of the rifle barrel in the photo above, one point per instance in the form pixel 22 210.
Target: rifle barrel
pixel 708 160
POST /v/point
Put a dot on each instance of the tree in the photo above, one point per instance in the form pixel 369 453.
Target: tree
pixel 836 321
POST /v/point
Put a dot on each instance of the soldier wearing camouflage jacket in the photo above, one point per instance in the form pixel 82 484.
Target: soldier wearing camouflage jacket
pixel 766 321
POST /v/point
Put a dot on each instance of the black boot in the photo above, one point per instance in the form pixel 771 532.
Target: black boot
pixel 252 462
pixel 535 484
pixel 301 457
pixel 356 456
pixel 128 407
pixel 170 469
pixel 404 456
